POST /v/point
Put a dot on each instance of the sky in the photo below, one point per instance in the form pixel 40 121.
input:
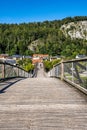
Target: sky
pixel 25 11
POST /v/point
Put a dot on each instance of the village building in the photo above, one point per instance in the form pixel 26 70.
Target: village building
pixel 38 58
pixel 5 58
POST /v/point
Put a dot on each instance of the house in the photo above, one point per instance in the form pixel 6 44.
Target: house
pixel 80 56
pixel 54 58
pixel 3 56
pixel 38 58
pixel 10 61
pixel 17 57
pixel 27 57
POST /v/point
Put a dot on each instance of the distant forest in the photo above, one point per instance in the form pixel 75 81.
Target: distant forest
pixel 16 38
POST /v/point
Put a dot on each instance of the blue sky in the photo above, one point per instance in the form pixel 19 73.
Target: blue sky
pixel 20 11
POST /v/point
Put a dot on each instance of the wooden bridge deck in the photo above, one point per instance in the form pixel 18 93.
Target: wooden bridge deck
pixel 42 103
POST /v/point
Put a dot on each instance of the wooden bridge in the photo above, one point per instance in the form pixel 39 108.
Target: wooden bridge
pixel 41 103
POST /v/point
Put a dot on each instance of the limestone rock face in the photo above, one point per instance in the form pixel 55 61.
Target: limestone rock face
pixel 75 29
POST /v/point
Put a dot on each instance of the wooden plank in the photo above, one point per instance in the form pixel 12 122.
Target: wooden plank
pixel 42 103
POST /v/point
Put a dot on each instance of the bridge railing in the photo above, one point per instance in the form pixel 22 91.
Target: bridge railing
pixel 9 71
pixel 73 71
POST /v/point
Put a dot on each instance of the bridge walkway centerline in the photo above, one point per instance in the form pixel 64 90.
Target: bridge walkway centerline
pixel 42 103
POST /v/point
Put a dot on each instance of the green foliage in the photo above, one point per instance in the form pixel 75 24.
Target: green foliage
pixel 16 38
pixel 29 67
pixel 26 64
pixel 49 64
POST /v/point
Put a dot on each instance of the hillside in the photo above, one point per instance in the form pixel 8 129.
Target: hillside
pixel 66 37
pixel 75 29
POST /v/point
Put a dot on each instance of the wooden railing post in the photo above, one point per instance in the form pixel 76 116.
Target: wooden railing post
pixel 62 70
pixel 3 70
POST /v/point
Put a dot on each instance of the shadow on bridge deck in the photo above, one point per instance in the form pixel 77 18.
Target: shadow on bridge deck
pixel 8 83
